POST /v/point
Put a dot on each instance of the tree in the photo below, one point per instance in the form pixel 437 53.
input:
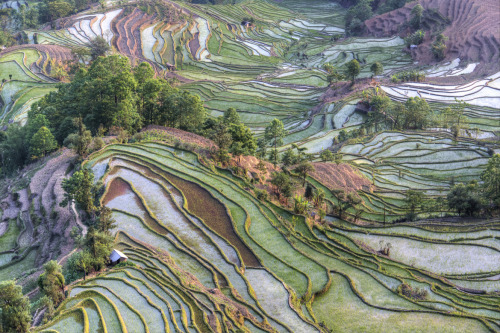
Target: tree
pixel 15 308
pixel 42 143
pixel 416 16
pixel 303 169
pixel 80 142
pixel 333 73
pixel 289 158
pixel 80 188
pixel 243 139
pixel 318 197
pixel 353 69
pixel 99 47
pixel 231 117
pixel 439 47
pixel 14 149
pixel 357 15
pixel 105 222
pixel 345 200
pixel 275 133
pixel 413 201
pixel 300 205
pixel 84 263
pixel 52 282
pixel 182 110
pixel 377 68
pixel 491 180
pixel 417 113
pixel 326 155
pixel 282 183
pixel 464 199
pixel 99 244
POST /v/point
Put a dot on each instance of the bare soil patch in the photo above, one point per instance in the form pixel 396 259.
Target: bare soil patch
pixel 344 176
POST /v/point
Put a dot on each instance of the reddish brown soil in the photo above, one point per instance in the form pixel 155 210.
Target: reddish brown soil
pixel 344 176
pixel 474 32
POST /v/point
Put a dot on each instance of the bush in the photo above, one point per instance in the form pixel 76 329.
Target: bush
pixel 407 76
pixel 413 293
pixel 262 195
pixel 125 264
pixel 415 38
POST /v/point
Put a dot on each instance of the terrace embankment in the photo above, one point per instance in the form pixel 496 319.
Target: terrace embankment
pixel 206 207
pixel 473 32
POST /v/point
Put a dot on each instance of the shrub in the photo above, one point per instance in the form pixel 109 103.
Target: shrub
pixel 415 38
pixel 413 293
pixel 262 195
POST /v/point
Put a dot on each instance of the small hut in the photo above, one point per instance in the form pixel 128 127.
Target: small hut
pixel 117 257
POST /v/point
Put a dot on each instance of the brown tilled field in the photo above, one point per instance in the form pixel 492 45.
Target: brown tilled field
pixel 474 31
pixel 343 176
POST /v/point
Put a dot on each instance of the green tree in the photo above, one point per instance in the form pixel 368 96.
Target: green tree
pixel 416 16
pixel 80 188
pixel 99 244
pixel 439 47
pixel 300 205
pixel 326 155
pixel 289 157
pixel 51 282
pixel 413 201
pixel 243 139
pixel 14 149
pixel 491 180
pixel 15 308
pixel 99 47
pixel 353 68
pixel 376 68
pixel 417 113
pixel 182 110
pixel 85 263
pixel 304 169
pixel 282 183
pixel 275 133
pixel 42 142
pixel 231 117
pixel 464 199
pixel 82 140
pixel 357 15
pixel 345 201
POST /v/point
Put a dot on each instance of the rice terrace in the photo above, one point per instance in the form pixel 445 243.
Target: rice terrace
pixel 249 166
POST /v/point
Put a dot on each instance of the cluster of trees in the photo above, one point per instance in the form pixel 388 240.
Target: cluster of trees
pixel 15 313
pixel 468 199
pixel 415 113
pixel 19 145
pixel 351 71
pixel 110 93
pixel 107 97
pixel 439 47
pixel 98 242
pixel 230 135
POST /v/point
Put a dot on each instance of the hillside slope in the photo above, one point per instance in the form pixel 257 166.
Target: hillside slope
pixel 474 31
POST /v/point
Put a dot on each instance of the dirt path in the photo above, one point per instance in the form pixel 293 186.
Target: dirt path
pixel 78 220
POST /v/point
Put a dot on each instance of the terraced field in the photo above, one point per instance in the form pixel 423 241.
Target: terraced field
pixel 208 255
pixel 24 71
pixel 268 274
